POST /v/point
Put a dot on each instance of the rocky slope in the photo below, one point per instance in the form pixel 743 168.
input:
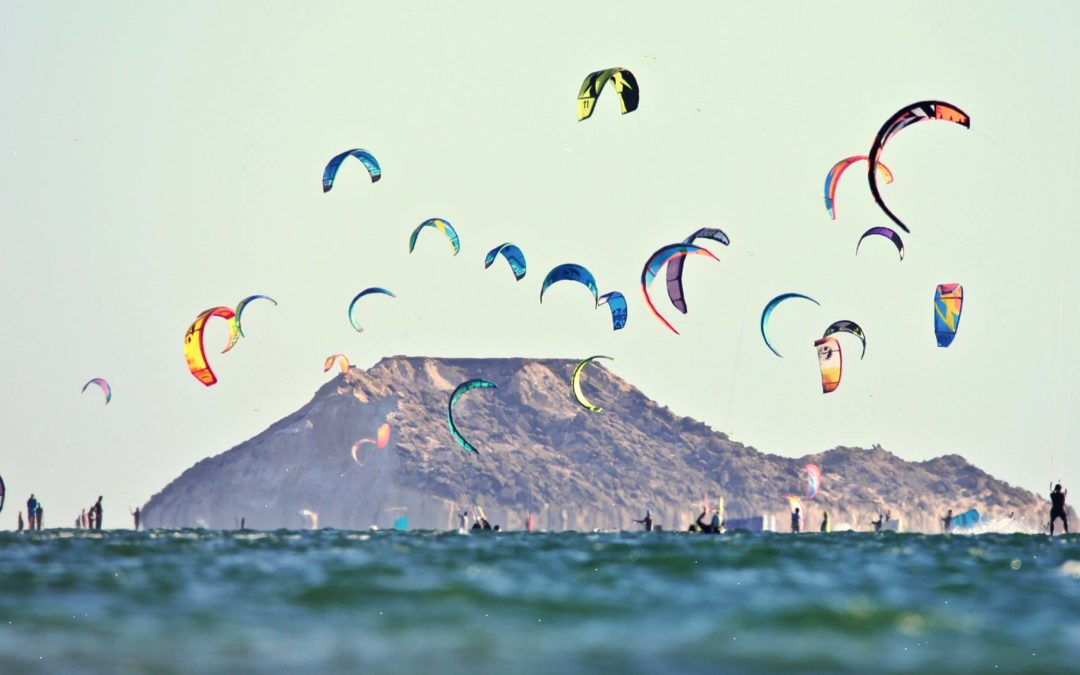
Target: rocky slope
pixel 543 454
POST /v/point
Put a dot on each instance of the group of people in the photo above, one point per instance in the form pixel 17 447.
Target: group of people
pixel 35 514
pixel 90 520
pixel 479 521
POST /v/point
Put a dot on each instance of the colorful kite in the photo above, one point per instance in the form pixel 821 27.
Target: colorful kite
pixel 340 359
pixel 99 381
pixel 3 493
pixel 617 303
pixel 948 302
pixel 625 84
pixel 845 326
pixel 794 502
pixel 830 361
pixel 887 232
pixel 382 437
pixel 514 257
pixel 442 226
pixel 813 480
pixel 675 265
pixel 833 178
pixel 194 351
pixel 767 312
pixel 571 272
pixel 463 388
pixel 312 516
pixel 243 304
pixel 365 157
pixel 575 384
pixel 366 291
pixel 656 261
pixel 906 116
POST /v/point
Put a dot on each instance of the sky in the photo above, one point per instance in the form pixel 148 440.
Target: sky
pixel 157 159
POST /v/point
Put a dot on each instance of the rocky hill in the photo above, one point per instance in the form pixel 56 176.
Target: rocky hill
pixel 543 454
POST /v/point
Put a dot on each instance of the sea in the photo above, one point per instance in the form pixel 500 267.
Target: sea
pixel 331 601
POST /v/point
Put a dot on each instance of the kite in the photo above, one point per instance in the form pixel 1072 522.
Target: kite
pixel 99 381
pixel 767 312
pixel 244 303
pixel 440 225
pixel 625 84
pixel 813 480
pixel 657 261
pixel 571 272
pixel 831 362
pixel 365 157
pixel 366 291
pixel 675 266
pixel 906 116
pixel 3 492
pixel 833 178
pixel 886 232
pixel 195 353
pixel 461 390
pixel 514 257
pixel 794 502
pixel 382 437
pixel 341 359
pixel 845 326
pixel 617 303
pixel 575 384
pixel 312 516
pixel 948 302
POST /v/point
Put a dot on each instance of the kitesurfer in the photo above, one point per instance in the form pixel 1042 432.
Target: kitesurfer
pixel 84 521
pixel 879 522
pixel 716 525
pixel 464 517
pixel 137 515
pixel 946 522
pixel 1057 508
pixel 20 522
pixel 646 521
pixel 796 520
pixel 825 521
pixel 701 525
pixel 97 513
pixel 31 510
pixel 40 516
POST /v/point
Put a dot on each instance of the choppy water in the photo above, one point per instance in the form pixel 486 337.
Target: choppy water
pixel 390 602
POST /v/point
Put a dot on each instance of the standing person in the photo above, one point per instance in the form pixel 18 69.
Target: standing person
pixel 40 516
pixel 84 525
pixel 97 513
pixel 78 522
pixel 20 522
pixel 646 521
pixel 878 523
pixel 135 514
pixel 530 524
pixel 825 522
pixel 463 517
pixel 1057 508
pixel 946 522
pixel 31 510
pixel 796 520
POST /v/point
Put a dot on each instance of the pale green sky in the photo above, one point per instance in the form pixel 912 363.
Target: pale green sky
pixel 158 159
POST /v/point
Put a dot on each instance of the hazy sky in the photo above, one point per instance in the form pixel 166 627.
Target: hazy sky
pixel 157 159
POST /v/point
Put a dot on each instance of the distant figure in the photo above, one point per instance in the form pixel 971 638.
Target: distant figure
pixel 700 523
pixel 484 523
pixel 40 516
pixel 137 515
pixel 796 520
pixel 84 521
pixel 464 516
pixel 716 525
pixel 97 513
pixel 1057 508
pixel 646 521
pixel 825 522
pixel 31 510
pixel 879 522
pixel 78 522
pixel 530 525
pixel 946 522
pixel 243 523
pixel 20 522
pixel 90 519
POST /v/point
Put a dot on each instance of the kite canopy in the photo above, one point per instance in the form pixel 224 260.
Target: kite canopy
pixel 948 303
pixel 340 359
pixel 832 179
pixel 442 226
pixel 462 389
pixel 575 384
pixel 382 437
pixel 902 118
pixel 194 351
pixel 845 326
pixel 656 261
pixel 813 480
pixel 240 310
pixel 794 502
pixel 365 157
pixel 675 265
pixel 100 382
pixel 625 84
pixel 514 257
pixel 366 291
pixel 571 272
pixel 617 303
pixel 3 493
pixel 830 361
pixel 886 232
pixel 767 312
